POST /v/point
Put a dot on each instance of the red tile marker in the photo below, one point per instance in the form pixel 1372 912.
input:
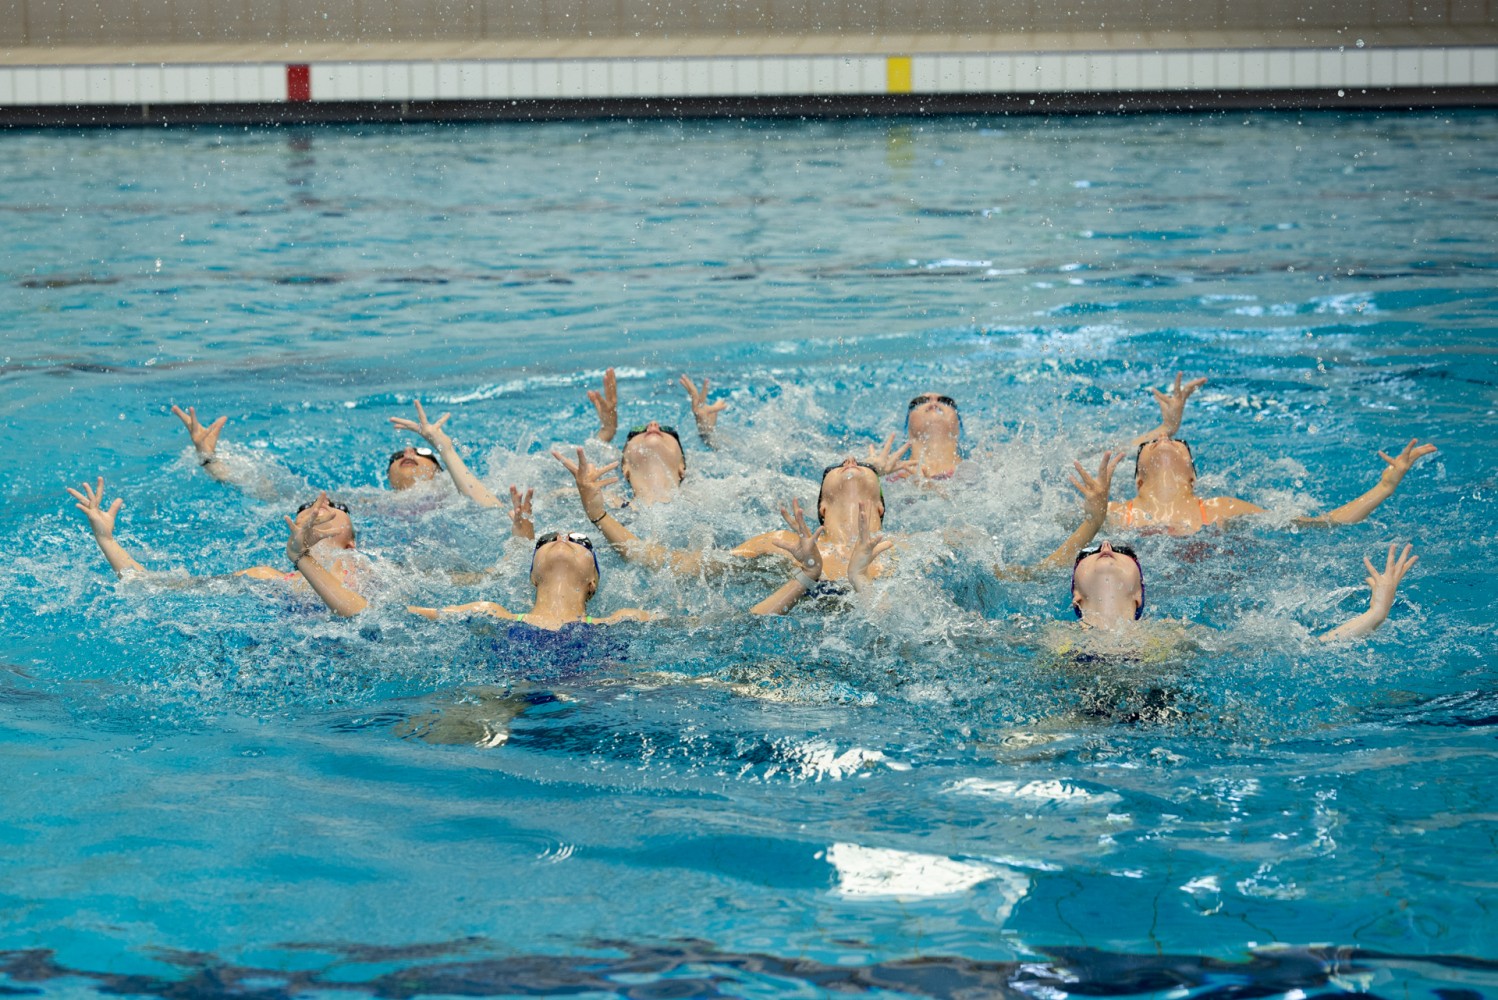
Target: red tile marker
pixel 298 82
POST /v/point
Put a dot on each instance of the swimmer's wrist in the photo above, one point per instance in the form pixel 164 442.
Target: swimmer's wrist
pixel 597 519
pixel 805 579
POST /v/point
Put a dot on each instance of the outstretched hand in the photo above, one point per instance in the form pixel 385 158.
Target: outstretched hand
pixel 705 413
pixel 1384 584
pixel 606 403
pixel 590 482
pixel 521 523
pixel 311 531
pixel 1095 489
pixel 204 439
pixel 1403 462
pixel 90 502
pixel 887 461
pixel 804 549
pixel 431 430
pixel 1173 403
pixel 869 544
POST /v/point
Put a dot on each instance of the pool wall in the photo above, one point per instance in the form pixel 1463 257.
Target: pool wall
pixel 121 61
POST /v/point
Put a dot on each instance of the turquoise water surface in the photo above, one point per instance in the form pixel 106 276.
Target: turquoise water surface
pixel 221 790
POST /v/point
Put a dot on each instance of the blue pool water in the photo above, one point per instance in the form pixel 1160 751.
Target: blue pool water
pixel 217 791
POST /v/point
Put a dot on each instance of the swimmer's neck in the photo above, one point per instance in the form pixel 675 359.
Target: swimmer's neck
pixel 1110 613
pixel 1165 491
pixel 935 454
pixel 840 526
pixel 653 482
pixel 559 600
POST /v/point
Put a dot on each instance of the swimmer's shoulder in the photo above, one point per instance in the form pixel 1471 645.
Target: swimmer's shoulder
pixel 764 544
pixel 473 608
pixel 1222 508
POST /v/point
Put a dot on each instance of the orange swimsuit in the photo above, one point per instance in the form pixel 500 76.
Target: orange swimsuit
pixel 1128 518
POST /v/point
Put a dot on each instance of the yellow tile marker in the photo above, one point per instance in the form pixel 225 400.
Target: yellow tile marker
pixel 897 74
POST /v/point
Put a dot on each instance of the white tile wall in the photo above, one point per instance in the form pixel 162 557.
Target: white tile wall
pixel 993 76
pixel 1381 68
pixel 1303 70
pixel 1151 72
pixel 1320 69
pixel 1201 70
pixel 772 76
pixel 1025 72
pixel 1329 70
pixel 175 86
pixel 1279 70
pixel 423 81
pixel 1177 70
pixel 674 76
pixel 1097 69
pixel 721 81
pixel 1485 67
pixel 1357 67
pixel 75 86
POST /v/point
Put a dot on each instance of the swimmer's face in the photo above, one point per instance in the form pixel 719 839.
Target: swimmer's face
pixel 408 467
pixel 1164 456
pixel 932 415
pixel 340 524
pixel 570 555
pixel 852 481
pixel 653 444
pixel 1107 573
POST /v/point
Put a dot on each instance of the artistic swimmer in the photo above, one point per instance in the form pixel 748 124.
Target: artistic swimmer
pixel 933 431
pixel 1165 485
pixel 1107 596
pixel 322 549
pixel 565 574
pixel 653 461
pixel 850 509
pixel 406 468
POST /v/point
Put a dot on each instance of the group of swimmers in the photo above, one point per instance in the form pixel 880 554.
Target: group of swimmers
pixel 842 554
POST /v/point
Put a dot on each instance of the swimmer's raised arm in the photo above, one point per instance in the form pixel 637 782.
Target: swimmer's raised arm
pixel 340 599
pixel 705 413
pixel 205 443
pixel 1172 405
pixel 521 525
pixel 1094 490
pixel 868 544
pixel 1382 586
pixel 591 480
pixel 102 523
pixel 802 548
pixel 1394 469
pixel 467 483
pixel 606 403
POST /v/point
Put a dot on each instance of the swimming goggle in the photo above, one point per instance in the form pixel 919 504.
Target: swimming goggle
pixel 426 453
pixel 833 468
pixel 1122 550
pixel 922 400
pixel 313 503
pixel 635 432
pixel 1181 441
pixel 572 536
